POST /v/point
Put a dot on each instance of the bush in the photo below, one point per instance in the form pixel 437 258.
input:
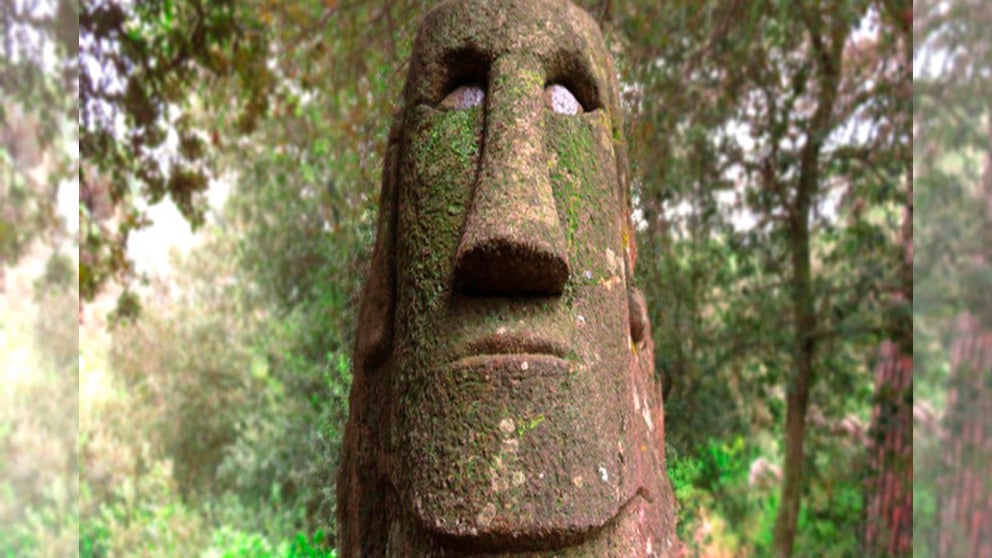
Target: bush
pixel 722 514
pixel 231 543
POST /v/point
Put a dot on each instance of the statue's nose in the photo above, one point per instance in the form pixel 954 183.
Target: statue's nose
pixel 513 243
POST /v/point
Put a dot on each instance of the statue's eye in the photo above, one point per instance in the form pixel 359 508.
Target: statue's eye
pixel 559 99
pixel 463 97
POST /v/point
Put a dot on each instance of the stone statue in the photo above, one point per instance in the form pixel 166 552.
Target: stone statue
pixel 504 396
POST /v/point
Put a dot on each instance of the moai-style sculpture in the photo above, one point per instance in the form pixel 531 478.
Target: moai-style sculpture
pixel 504 398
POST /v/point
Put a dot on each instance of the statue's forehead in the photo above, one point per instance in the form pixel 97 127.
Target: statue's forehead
pixel 562 36
pixel 539 26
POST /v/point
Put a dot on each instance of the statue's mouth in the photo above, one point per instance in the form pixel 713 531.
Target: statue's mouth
pixel 505 345
pixel 515 355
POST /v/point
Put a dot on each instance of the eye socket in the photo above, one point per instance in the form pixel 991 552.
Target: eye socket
pixel 463 97
pixel 559 99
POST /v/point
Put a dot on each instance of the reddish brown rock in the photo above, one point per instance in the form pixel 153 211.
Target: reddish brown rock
pixel 504 397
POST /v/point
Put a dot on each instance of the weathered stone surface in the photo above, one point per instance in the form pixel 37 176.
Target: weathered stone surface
pixel 504 397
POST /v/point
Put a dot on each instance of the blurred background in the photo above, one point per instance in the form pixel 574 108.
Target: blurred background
pixel 39 297
pixel 176 346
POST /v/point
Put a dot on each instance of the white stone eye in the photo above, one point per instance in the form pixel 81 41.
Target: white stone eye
pixel 464 97
pixel 559 99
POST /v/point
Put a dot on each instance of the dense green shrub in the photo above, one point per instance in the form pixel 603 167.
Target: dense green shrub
pixel 723 511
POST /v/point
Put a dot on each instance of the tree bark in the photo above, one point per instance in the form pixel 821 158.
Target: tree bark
pixel 966 484
pixel 889 494
pixel 797 398
pixel 889 482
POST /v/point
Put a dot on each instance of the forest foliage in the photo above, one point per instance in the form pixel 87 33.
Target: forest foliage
pixel 773 160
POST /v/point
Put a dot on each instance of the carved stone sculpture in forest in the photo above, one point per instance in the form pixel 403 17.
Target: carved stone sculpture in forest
pixel 504 397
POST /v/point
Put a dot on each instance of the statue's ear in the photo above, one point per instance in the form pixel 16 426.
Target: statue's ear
pixel 637 307
pixel 374 339
pixel 640 324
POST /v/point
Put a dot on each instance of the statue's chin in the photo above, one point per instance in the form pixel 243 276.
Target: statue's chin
pixel 512 449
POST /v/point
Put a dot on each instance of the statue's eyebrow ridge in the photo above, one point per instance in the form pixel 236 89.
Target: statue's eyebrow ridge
pixel 573 69
pixel 454 67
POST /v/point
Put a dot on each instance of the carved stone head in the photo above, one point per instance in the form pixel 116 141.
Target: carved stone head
pixel 504 396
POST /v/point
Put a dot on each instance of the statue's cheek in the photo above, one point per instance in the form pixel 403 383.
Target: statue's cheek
pixel 582 167
pixel 439 165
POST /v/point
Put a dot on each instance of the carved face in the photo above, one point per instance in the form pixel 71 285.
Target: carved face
pixel 511 337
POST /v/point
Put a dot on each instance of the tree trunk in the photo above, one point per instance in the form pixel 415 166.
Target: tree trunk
pixel 797 397
pixel 888 485
pixel 829 53
pixel 889 494
pixel 966 483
